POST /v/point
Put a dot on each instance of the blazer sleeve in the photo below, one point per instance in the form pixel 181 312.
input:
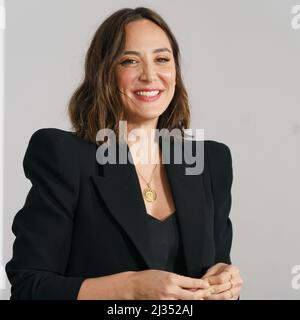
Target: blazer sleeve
pixel 220 163
pixel 43 227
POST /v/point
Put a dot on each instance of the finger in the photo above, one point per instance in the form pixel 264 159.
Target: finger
pixel 233 283
pixel 221 287
pixel 188 283
pixel 226 295
pixel 202 294
pixel 235 293
pixel 236 281
pixel 214 269
pixel 183 294
pixel 234 270
pixel 221 278
pixel 168 298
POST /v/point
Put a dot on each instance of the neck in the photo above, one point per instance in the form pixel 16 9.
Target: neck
pixel 144 137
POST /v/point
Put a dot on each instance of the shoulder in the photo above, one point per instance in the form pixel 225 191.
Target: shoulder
pixel 216 150
pixel 219 161
pixel 58 141
pixel 50 147
pixel 212 148
pixel 67 139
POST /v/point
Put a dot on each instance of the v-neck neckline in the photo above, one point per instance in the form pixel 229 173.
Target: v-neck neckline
pixel 165 219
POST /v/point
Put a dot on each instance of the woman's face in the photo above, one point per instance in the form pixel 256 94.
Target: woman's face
pixel 146 72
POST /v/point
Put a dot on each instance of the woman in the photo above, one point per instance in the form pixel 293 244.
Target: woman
pixel 115 231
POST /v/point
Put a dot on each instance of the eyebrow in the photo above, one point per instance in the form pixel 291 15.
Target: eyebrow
pixel 154 51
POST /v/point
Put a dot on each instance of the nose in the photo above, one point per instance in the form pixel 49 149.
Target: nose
pixel 148 73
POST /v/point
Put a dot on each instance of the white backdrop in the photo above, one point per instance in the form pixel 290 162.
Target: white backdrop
pixel 241 68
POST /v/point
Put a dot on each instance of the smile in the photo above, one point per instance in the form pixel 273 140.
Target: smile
pixel 148 96
pixel 148 93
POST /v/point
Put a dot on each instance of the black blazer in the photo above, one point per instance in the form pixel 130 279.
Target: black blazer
pixel 82 219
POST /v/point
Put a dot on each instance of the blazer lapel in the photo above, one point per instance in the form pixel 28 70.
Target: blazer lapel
pixel 194 213
pixel 120 189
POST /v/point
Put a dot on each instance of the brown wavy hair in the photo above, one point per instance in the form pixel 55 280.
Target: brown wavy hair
pixel 96 104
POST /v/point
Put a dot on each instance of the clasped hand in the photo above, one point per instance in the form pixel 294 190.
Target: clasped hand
pixel 225 282
pixel 221 282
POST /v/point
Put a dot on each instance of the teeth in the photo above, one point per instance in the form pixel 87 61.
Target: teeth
pixel 148 93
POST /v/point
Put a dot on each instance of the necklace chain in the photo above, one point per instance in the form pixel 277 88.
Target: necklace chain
pixel 149 193
pixel 148 183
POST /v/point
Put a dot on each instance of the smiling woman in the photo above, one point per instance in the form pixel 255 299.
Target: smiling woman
pixel 115 231
pixel 131 50
pixel 141 66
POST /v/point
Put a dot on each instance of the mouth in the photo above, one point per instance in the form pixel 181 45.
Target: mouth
pixel 148 95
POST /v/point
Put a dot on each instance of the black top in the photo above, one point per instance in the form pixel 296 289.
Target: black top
pixel 99 219
pixel 167 250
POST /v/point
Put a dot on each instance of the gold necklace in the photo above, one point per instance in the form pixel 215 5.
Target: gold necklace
pixel 148 193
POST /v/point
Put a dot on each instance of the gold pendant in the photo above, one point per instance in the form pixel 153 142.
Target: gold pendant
pixel 149 194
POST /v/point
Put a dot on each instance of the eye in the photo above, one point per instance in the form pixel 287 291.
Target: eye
pixel 129 62
pixel 163 60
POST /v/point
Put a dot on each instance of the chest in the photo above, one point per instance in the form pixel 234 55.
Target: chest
pixel 164 204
